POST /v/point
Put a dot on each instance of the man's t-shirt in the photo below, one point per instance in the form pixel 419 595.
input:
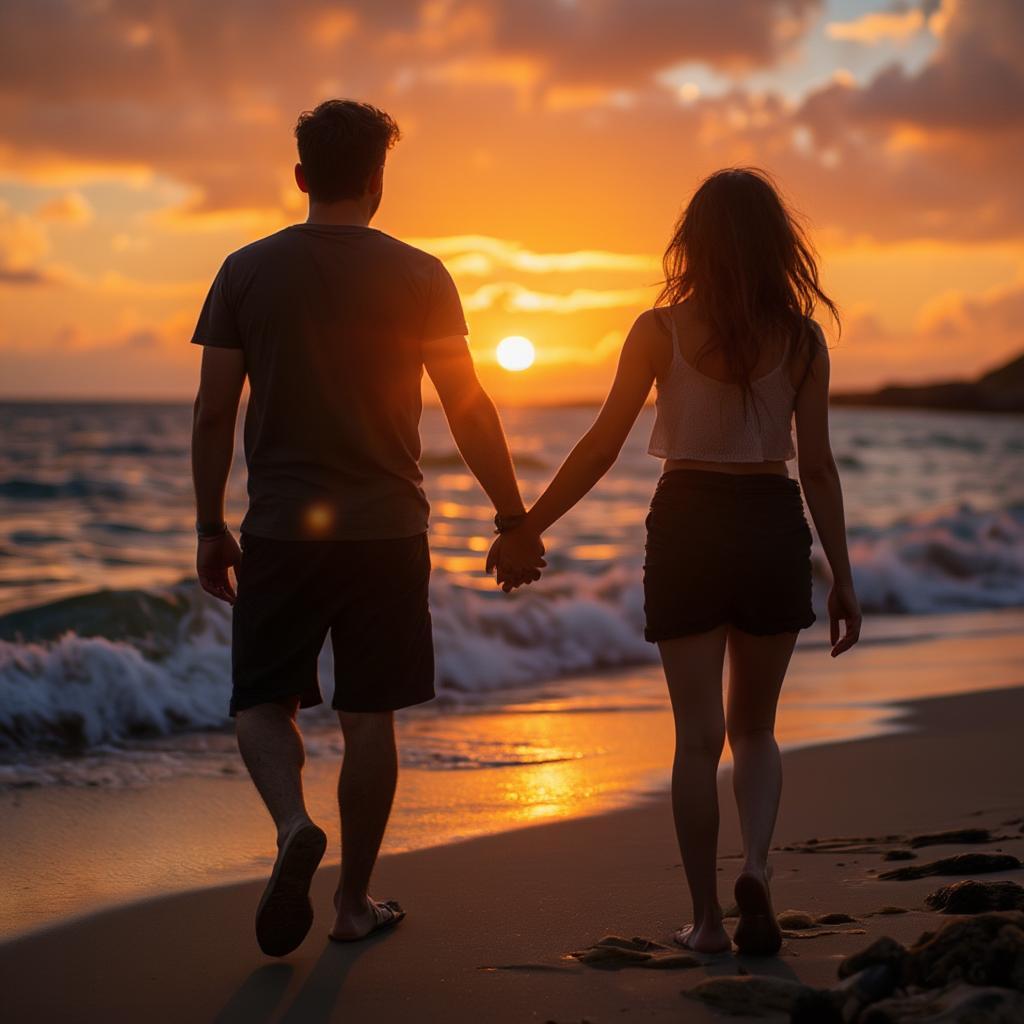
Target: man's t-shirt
pixel 332 321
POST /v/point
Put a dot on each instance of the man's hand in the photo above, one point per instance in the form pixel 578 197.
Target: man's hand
pixel 843 607
pixel 518 557
pixel 215 556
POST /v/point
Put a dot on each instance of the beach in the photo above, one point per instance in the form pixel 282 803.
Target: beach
pixel 532 816
pixel 492 944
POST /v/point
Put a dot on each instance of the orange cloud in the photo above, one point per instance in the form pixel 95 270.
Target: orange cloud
pixel 876 26
pixel 69 208
pixel 955 336
pixel 482 254
pixel 514 298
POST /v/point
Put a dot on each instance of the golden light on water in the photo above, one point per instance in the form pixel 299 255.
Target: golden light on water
pixel 516 353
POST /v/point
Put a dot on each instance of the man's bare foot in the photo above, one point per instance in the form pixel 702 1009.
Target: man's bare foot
pixel 757 933
pixel 708 938
pixel 373 917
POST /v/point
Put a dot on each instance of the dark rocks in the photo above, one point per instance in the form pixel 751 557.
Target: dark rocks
pixel 973 897
pixel 959 1004
pixel 795 920
pixel 815 1007
pixel 961 864
pixel 888 911
pixel 899 855
pixel 834 919
pixel 970 971
pixel 884 952
pixel 987 949
pixel 864 988
pixel 756 995
pixel 952 836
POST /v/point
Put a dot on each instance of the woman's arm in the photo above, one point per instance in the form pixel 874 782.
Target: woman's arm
pixel 819 476
pixel 593 456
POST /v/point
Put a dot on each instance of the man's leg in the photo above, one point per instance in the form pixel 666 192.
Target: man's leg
pixel 271 747
pixel 366 788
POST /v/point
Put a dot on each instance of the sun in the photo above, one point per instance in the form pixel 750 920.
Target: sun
pixel 516 353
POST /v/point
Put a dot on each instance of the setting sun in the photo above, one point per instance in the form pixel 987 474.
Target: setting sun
pixel 516 353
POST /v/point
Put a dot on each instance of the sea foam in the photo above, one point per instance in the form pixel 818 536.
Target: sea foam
pixel 111 666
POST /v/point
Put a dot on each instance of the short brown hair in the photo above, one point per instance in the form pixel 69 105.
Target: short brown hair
pixel 341 143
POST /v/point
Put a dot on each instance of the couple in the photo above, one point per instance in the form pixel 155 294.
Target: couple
pixel 333 323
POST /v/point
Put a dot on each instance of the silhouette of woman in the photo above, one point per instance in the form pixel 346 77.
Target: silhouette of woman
pixel 736 356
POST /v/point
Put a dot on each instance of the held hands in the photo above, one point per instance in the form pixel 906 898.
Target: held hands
pixel 517 557
pixel 843 607
pixel 213 559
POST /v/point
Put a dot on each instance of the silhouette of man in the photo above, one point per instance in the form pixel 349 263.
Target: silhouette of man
pixel 333 323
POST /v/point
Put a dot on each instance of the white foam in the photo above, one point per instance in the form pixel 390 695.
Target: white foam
pixel 82 692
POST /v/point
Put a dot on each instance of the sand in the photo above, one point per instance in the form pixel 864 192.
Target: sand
pixel 492 919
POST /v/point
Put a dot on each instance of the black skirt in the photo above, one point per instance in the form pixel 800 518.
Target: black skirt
pixel 726 548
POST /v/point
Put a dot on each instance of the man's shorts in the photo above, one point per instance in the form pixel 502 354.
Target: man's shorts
pixel 371 595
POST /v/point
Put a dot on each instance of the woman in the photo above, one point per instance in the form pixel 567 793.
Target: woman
pixel 736 355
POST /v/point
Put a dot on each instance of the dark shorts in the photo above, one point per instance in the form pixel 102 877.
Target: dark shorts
pixel 371 595
pixel 726 548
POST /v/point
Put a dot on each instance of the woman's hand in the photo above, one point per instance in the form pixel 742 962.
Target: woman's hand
pixel 518 557
pixel 844 607
pixel 215 556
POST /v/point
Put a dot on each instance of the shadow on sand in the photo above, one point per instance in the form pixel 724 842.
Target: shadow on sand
pixel 258 998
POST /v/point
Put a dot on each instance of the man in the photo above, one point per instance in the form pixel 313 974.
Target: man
pixel 333 323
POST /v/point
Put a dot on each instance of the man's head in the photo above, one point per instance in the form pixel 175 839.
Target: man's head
pixel 342 148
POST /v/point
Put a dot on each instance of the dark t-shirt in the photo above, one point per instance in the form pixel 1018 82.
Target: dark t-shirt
pixel 332 321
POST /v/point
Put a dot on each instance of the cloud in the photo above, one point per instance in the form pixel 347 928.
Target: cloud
pixel 877 26
pixel 189 89
pixel 482 254
pixel 23 275
pixel 23 245
pixel 950 335
pixel 926 154
pixel 69 208
pixel 515 298
pixel 973 85
pixel 997 314
pixel 625 42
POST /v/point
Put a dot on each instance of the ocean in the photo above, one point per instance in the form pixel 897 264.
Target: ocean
pixel 106 640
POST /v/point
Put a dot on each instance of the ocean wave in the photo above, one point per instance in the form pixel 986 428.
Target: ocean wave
pixel 961 560
pixel 109 667
pixel 76 487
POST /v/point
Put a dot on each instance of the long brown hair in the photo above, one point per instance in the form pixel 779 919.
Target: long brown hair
pixel 743 255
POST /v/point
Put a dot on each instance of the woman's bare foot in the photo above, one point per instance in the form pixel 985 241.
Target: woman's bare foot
pixel 708 938
pixel 757 933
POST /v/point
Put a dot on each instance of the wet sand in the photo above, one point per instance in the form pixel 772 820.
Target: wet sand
pixel 492 919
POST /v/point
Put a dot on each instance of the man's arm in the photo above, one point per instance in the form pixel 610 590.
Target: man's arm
pixel 475 426
pixel 213 442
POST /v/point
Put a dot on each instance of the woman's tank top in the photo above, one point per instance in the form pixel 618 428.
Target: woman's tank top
pixel 709 420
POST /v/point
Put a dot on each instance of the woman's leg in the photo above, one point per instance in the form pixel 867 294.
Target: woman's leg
pixel 757 667
pixel 693 669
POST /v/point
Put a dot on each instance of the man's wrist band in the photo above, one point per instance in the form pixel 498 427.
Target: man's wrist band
pixel 211 531
pixel 502 524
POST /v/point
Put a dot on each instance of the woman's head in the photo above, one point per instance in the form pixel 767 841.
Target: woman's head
pixel 742 254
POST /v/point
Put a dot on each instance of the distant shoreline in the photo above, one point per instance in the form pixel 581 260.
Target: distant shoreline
pixel 998 391
pixel 867 400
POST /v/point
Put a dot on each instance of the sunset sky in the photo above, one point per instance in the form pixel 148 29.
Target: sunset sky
pixel 548 147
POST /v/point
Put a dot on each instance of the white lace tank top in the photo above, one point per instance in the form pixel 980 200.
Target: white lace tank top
pixel 707 420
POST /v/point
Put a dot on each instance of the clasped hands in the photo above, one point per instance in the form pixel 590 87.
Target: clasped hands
pixel 516 557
